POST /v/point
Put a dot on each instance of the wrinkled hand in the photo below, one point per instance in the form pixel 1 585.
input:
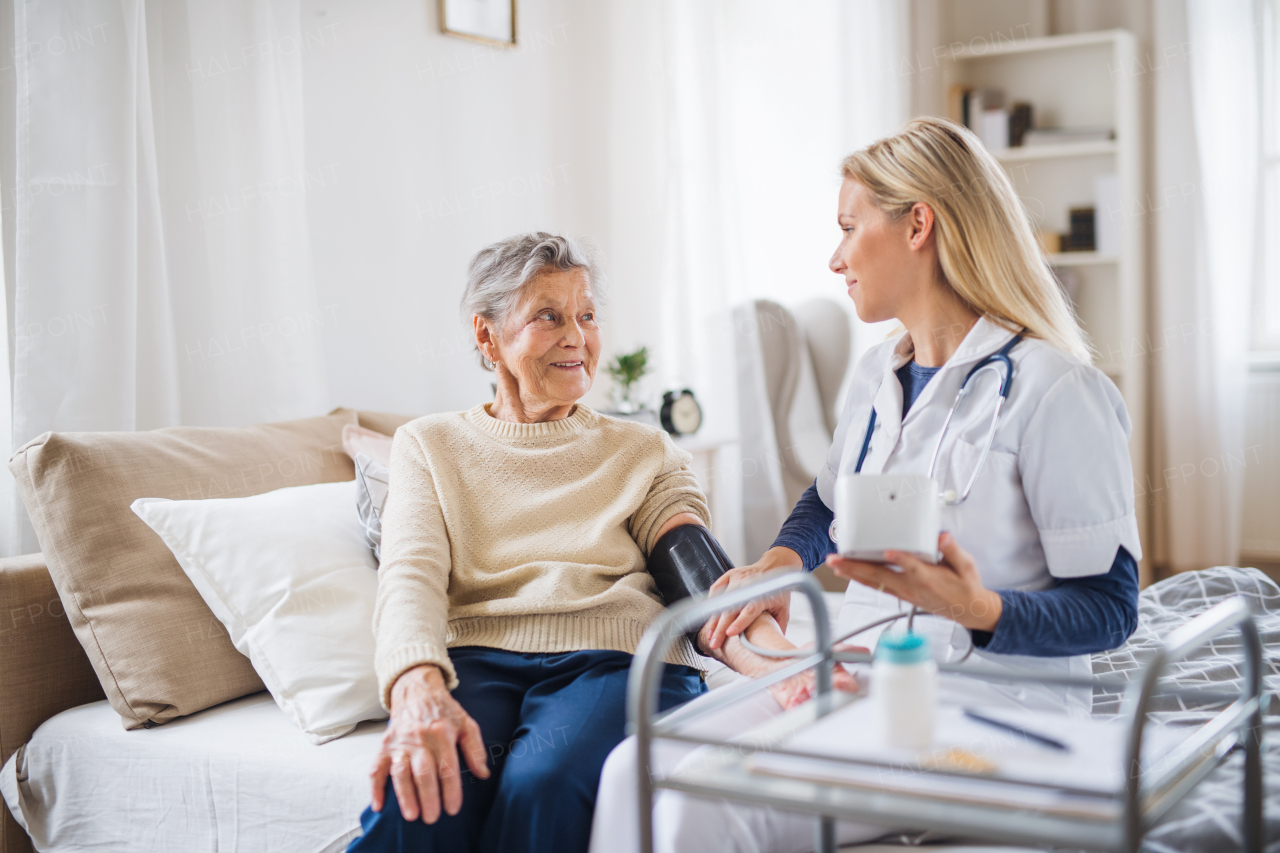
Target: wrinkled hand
pixel 951 588
pixel 799 689
pixel 420 748
pixel 765 633
pixel 734 622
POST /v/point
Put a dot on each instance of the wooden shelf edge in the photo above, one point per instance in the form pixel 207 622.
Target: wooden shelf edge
pixel 1080 259
pixel 1003 48
pixel 1054 152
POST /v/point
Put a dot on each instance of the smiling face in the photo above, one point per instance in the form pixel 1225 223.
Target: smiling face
pixel 546 352
pixel 881 259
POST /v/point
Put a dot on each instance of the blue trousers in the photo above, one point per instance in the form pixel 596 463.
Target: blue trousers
pixel 548 721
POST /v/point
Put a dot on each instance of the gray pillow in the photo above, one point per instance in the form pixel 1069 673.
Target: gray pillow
pixel 371 494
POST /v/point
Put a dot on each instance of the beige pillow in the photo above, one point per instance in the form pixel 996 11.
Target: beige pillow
pixel 156 647
pixel 373 444
pixel 383 422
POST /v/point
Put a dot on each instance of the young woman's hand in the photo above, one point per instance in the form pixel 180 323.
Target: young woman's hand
pixel 951 588
pixel 733 622
pixel 420 749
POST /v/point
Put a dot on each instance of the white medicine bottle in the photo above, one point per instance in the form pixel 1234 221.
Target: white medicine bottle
pixel 904 688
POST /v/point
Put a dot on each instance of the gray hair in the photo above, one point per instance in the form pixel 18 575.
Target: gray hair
pixel 498 273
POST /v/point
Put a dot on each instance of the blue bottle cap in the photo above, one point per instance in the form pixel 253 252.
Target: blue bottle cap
pixel 902 648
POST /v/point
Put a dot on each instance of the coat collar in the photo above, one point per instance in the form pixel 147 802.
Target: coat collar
pixel 985 338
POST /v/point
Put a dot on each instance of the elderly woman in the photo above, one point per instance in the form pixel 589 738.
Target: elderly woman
pixel 513 588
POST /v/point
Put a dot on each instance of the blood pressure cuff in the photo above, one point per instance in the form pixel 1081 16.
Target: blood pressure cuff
pixel 686 561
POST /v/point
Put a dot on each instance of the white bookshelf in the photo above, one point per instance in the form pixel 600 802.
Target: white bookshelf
pixel 1055 152
pixel 1083 80
pixel 1080 259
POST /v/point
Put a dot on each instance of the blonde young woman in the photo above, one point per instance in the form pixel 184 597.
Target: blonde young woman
pixel 1038 565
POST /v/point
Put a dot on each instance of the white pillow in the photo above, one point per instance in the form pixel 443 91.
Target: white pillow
pixel 291 577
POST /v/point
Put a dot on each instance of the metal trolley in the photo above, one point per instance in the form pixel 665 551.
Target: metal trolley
pixel 1145 795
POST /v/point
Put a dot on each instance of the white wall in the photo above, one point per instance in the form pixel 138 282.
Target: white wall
pixel 437 146
pixel 432 147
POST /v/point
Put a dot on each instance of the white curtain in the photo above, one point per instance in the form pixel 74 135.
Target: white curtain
pixel 759 97
pixel 162 261
pixel 761 101
pixel 703 260
pixel 13 520
pixel 1207 146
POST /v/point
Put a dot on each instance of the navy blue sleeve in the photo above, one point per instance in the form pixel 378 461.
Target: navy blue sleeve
pixel 1077 616
pixel 806 529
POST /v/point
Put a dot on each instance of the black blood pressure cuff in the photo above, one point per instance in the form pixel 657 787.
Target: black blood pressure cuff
pixel 686 561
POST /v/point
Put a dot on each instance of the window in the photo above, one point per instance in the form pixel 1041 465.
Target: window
pixel 1266 331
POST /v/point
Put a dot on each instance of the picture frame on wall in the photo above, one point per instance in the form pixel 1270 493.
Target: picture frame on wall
pixel 487 21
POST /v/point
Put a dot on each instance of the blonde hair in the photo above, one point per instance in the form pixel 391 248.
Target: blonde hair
pixel 988 253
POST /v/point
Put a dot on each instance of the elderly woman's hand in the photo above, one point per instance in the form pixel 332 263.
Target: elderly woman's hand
pixel 420 748
pixel 800 688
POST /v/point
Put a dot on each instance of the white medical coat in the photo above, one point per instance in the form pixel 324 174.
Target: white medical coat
pixel 1054 499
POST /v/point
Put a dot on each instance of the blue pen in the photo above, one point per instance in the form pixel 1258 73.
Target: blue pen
pixel 1009 727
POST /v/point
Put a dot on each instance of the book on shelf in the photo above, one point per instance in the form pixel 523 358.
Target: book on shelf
pixel 966 104
pixel 1080 236
pixel 978 101
pixel 1019 122
pixel 982 110
pixel 958 103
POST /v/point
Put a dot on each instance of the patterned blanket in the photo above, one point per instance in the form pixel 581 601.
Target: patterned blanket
pixel 1208 819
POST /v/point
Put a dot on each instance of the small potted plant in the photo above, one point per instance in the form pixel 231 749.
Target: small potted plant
pixel 626 370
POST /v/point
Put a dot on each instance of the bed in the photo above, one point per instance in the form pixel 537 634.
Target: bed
pixel 241 777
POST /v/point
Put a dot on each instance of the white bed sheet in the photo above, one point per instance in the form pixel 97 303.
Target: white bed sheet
pixel 222 779
pixel 219 780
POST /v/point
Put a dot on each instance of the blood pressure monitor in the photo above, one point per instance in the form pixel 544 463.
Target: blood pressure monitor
pixel 882 512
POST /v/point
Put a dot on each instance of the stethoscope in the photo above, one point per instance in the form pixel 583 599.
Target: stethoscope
pixel 993 361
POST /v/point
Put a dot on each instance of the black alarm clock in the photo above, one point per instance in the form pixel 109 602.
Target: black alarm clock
pixel 680 414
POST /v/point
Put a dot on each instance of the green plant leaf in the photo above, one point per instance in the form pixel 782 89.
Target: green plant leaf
pixel 628 368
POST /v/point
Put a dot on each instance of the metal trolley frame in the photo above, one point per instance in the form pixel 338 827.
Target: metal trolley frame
pixel 1147 792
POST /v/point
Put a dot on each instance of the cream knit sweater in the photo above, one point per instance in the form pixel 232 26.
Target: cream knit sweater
pixel 524 537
